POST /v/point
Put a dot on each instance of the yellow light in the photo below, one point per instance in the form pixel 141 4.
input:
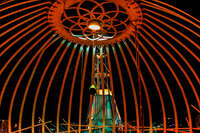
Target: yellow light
pixel 106 92
pixel 94 25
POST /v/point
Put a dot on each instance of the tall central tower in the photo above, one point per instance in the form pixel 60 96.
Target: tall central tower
pixel 103 113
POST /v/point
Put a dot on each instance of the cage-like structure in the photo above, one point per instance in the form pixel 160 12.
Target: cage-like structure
pixel 48 54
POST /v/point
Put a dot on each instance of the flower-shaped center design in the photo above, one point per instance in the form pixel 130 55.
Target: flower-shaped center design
pixel 104 22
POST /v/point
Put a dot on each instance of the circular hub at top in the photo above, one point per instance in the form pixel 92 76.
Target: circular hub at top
pixel 95 21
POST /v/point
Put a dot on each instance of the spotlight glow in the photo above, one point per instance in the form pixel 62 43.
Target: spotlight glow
pixel 94 25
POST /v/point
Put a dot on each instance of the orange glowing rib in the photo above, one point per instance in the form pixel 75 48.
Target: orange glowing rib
pixel 41 80
pixel 25 15
pixel 178 64
pixel 5 2
pixel 146 91
pixel 27 20
pixel 24 45
pixel 82 87
pixel 174 21
pixel 21 3
pixel 156 84
pixel 182 57
pixel 33 72
pixel 11 38
pixel 132 86
pixel 161 8
pixel 181 34
pixel 21 76
pixel 62 87
pixel 122 88
pixel 163 77
pixel 14 68
pixel 72 86
pixel 40 83
pixel 112 86
pixel 177 10
pixel 175 76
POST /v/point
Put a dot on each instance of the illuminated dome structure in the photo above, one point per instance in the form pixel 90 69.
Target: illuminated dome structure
pixel 73 65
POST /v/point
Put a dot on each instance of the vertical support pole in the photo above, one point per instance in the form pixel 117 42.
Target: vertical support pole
pixel 139 79
pixel 92 83
pixel 102 80
pixel 112 87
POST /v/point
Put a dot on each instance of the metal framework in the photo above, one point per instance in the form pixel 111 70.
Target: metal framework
pixel 47 55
